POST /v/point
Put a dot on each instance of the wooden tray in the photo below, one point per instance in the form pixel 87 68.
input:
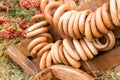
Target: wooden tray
pixel 102 62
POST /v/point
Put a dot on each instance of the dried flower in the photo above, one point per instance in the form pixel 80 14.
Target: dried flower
pixel 2 20
pixel 38 12
pixel 29 4
pixel 23 24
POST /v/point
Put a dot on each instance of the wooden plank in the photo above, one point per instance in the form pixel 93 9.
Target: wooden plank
pixel 22 60
pixel 92 4
pixel 104 62
pixel 63 72
pixel 22 46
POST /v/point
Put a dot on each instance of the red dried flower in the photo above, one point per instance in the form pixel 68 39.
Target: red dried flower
pixel 23 24
pixel 77 1
pixel 29 4
pixel 2 20
pixel 38 12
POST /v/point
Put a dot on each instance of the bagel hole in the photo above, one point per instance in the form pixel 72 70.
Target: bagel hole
pixel 55 33
pixel 54 78
pixel 37 20
pixel 29 57
pixel 102 40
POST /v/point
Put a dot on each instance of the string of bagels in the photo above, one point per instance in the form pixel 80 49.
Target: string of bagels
pixel 82 28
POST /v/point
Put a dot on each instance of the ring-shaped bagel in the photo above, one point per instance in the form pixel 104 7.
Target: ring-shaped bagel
pixel 80 50
pixel 36 41
pixel 36 26
pixel 101 46
pixel 44 49
pixel 107 17
pixel 62 56
pixel 70 3
pixel 70 25
pixel 70 49
pixel 76 26
pixel 43 4
pixel 49 59
pixel 42 64
pixel 82 20
pixel 60 23
pixel 72 62
pixel 60 10
pixel 48 8
pixel 66 21
pixel 99 21
pixel 39 46
pixel 52 54
pixel 56 51
pixel 110 42
pixel 37 32
pixel 36 17
pixel 114 12
pixel 88 32
pixel 94 29
pixel 86 49
pixel 51 0
pixel 118 8
pixel 91 47
pixel 47 35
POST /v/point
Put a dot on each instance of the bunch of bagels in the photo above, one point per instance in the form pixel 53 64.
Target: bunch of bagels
pixel 81 28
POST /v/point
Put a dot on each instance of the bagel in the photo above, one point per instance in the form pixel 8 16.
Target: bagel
pixel 47 9
pixel 56 52
pixel 62 56
pixel 66 21
pixel 96 33
pixel 68 45
pixel 114 12
pixel 48 36
pixel 86 49
pixel 110 42
pixel 88 32
pixel 44 49
pixel 52 54
pixel 82 20
pixel 91 47
pixel 60 23
pixel 37 25
pixel 99 21
pixel 43 4
pixel 76 26
pixel 36 41
pixel 37 32
pixel 70 25
pixel 59 12
pixel 39 46
pixel 36 17
pixel 80 50
pixel 49 60
pixel 72 62
pixel 101 46
pixel 42 63
pixel 107 17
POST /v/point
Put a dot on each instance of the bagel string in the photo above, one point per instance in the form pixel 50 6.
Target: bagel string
pixel 102 20
pixel 84 28
pixel 67 51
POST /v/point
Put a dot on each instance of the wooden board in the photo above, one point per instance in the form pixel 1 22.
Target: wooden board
pixel 100 63
pixel 22 46
pixel 103 62
pixel 92 4
pixel 22 60
pixel 62 72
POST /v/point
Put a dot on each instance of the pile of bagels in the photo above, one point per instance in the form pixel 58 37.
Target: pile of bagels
pixel 82 28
